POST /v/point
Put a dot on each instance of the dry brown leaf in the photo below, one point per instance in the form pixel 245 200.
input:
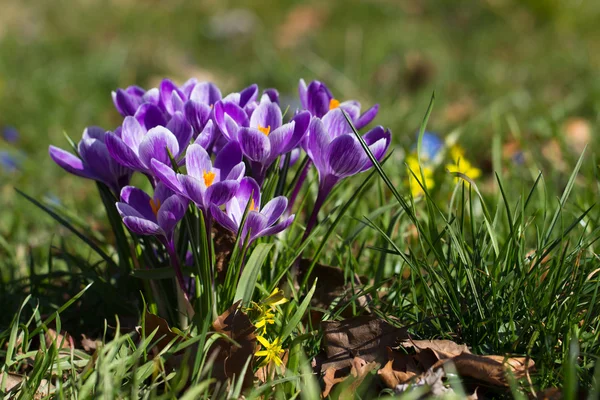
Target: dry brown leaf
pixel 164 335
pixel 332 286
pixel 88 344
pixel 442 348
pixel 491 369
pixel 229 359
pixel 365 337
pixel 332 377
pixel 223 242
pixel 399 369
pixel 63 341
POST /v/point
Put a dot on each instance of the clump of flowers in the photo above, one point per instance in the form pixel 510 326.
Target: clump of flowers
pixel 434 151
pixel 214 158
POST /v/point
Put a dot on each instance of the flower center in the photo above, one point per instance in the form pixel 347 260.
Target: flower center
pixel 264 130
pixel 333 103
pixel 209 177
pixel 155 205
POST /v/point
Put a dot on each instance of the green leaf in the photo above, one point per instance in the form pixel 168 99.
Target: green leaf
pixel 247 281
pixel 295 320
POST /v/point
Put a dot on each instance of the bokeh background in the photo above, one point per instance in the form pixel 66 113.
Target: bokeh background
pixel 525 68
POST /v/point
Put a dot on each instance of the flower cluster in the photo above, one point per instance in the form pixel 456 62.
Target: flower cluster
pixel 198 147
pixel 433 152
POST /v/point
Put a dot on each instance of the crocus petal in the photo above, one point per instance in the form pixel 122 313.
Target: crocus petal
pixel 69 162
pixel 221 192
pixel 132 133
pixel 162 192
pixel 267 114
pixel 248 95
pixel 352 108
pixel 318 141
pixel 318 98
pixel 345 155
pixel 237 172
pixel 94 132
pixel 197 114
pixel 274 208
pixel 255 223
pixel 197 161
pixel 177 102
pixel 188 86
pixel 222 219
pixel 229 117
pixel 97 159
pixel 150 115
pixel 367 117
pixel 206 93
pixel 181 129
pixel 280 138
pixel 280 227
pixel 378 149
pixel 194 189
pixel 335 123
pixel 301 122
pixel 272 94
pixel 155 145
pixel 228 157
pixel 248 187
pixel 166 88
pixel 166 175
pixel 302 92
pixel 142 226
pixel 125 210
pixel 138 200
pixel 206 136
pixel 151 96
pixel 255 144
pixel 170 213
pixel 125 103
pixel 122 154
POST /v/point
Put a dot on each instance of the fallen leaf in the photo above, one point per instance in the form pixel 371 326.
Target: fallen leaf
pixel 164 335
pixel 230 359
pixel 399 369
pixel 443 348
pixel 63 341
pixel 332 288
pixel 491 369
pixel 88 344
pixel 332 377
pixel 365 337
pixel 223 242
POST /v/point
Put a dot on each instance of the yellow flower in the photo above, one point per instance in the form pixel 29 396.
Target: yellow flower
pixel 415 188
pixel 271 352
pixel 276 298
pixel 461 164
pixel 265 317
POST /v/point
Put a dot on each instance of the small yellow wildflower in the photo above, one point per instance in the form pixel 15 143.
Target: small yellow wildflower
pixel 461 164
pixel 413 164
pixel 265 317
pixel 271 352
pixel 276 298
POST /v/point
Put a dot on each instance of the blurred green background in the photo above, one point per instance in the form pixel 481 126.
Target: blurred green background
pixel 535 61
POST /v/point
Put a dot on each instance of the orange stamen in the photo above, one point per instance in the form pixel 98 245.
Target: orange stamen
pixel 252 205
pixel 155 205
pixel 264 130
pixel 209 177
pixel 333 103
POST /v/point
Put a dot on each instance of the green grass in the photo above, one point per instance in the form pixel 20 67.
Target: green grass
pixel 506 264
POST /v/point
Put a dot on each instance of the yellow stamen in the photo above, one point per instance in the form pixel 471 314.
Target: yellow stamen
pixel 252 205
pixel 155 205
pixel 333 103
pixel 264 130
pixel 209 177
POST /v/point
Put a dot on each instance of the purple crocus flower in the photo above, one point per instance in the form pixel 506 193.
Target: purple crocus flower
pixel 94 161
pixel 263 137
pixel 135 146
pixel 337 153
pixel 154 216
pixel 259 221
pixel 318 100
pixel 205 183
pixel 128 100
